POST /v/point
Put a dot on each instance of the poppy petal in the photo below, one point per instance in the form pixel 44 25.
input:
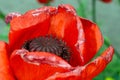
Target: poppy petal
pixel 87 72
pixel 67 26
pixel 99 64
pixel 62 20
pixel 81 35
pixel 36 65
pixel 32 24
pixel 5 72
pixel 93 40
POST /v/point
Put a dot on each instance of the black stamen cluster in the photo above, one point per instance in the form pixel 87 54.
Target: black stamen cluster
pixel 48 44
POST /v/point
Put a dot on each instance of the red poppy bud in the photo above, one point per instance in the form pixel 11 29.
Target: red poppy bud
pixel 106 1
pixel 44 1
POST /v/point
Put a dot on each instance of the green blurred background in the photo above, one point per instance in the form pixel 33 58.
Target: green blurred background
pixel 108 19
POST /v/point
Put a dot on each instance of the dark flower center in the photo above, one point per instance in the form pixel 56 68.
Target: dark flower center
pixel 48 44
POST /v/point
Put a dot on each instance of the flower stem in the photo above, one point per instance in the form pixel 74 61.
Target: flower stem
pixel 82 8
pixel 2 15
pixel 47 4
pixel 94 10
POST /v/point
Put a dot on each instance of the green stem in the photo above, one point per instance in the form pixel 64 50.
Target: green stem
pixel 81 9
pixel 94 10
pixel 47 4
pixel 2 15
pixel 119 1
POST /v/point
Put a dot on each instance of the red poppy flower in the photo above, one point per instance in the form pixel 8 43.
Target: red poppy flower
pixel 53 43
pixel 106 1
pixel 44 1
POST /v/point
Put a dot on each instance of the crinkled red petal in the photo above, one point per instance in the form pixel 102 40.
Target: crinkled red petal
pixel 83 36
pixel 32 24
pixel 93 40
pixel 36 65
pixel 5 71
pixel 99 64
pixel 87 72
pixel 67 26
